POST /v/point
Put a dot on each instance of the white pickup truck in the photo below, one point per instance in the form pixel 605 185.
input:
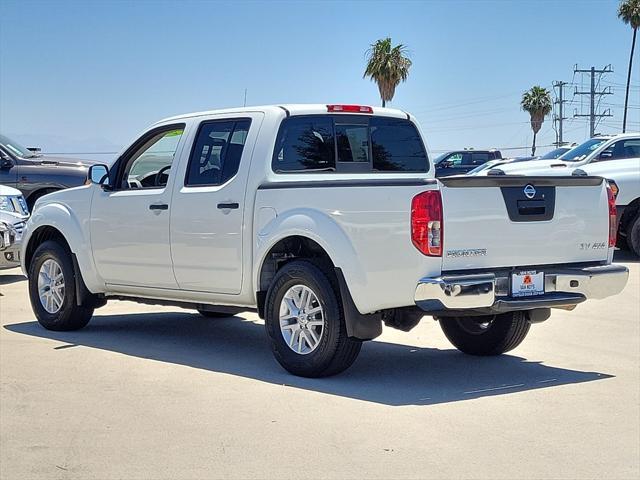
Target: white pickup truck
pixel 328 221
pixel 614 157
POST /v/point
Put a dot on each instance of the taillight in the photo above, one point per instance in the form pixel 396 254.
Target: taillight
pixel 349 108
pixel 427 226
pixel 613 224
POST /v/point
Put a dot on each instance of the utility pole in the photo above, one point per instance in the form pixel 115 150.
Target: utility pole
pixel 560 116
pixel 593 115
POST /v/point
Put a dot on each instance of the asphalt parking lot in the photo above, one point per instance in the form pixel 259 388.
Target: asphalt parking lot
pixel 154 392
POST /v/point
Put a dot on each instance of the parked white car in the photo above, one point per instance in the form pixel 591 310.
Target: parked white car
pixel 328 221
pixel 614 157
pixel 13 216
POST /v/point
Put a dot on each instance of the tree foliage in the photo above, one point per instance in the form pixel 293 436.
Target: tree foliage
pixel 387 66
pixel 629 13
pixel 536 102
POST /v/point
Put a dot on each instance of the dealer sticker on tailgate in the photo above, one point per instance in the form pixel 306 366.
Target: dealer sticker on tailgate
pixel 525 284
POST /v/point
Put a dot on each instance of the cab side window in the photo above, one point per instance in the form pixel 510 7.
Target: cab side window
pixel 479 158
pixel 148 166
pixel 216 154
pixel 627 148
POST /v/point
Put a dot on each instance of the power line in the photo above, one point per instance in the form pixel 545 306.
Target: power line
pixel 593 93
pixel 559 118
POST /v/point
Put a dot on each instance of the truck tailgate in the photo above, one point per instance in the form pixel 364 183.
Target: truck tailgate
pixel 500 221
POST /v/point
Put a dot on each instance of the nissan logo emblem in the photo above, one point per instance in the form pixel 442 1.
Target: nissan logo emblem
pixel 529 191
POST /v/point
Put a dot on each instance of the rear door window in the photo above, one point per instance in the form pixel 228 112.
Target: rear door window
pixel 353 143
pixel 217 152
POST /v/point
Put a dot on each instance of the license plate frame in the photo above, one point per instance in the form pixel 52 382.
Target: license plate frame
pixel 527 283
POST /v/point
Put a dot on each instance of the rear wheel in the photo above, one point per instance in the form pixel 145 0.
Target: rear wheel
pixel 305 322
pixel 633 235
pixel 486 335
pixel 52 289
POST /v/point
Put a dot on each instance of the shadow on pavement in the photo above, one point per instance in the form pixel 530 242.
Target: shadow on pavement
pixel 385 373
pixel 8 279
pixel 625 256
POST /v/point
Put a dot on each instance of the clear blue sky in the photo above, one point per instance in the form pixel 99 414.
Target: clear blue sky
pixel 78 76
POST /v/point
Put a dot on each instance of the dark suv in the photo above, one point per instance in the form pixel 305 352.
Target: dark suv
pixel 462 161
pixel 35 174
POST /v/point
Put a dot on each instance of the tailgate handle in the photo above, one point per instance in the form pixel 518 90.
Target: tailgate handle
pixel 532 207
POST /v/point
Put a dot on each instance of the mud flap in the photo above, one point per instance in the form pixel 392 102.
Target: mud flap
pixel 363 327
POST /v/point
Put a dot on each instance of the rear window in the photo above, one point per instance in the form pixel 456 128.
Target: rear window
pixel 396 146
pixel 348 143
pixel 305 144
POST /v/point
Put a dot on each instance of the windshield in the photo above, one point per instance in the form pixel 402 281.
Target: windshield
pixel 439 158
pixel 15 148
pixel 582 151
pixel 553 154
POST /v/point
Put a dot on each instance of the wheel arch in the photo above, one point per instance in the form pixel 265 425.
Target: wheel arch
pixel 56 221
pixel 294 247
pixel 284 249
pixel 34 195
pixel 304 225
pixel 40 235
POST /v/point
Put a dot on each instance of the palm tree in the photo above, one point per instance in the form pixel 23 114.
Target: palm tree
pixel 387 66
pixel 537 102
pixel 629 13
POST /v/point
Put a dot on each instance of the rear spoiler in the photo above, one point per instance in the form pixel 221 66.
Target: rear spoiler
pixel 520 181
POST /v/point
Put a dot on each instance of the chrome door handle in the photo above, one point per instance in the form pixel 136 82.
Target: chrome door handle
pixel 159 206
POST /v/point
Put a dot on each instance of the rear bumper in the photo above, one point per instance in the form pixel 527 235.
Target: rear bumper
pixel 484 293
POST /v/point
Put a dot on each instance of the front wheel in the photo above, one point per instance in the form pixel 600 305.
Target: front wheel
pixel 488 334
pixel 305 322
pixel 52 289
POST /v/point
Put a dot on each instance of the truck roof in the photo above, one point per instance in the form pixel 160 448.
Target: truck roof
pixel 610 136
pixel 292 109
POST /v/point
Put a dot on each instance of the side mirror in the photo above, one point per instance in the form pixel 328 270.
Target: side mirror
pixel 6 162
pixel 99 174
pixel 606 155
pixel 35 150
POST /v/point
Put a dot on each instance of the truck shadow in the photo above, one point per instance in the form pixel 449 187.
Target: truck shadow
pixel 385 373
pixel 9 279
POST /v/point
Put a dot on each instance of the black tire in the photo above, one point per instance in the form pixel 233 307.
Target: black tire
pixel 335 351
pixel 633 235
pixel 33 198
pixel 70 316
pixel 621 242
pixel 209 314
pixel 486 335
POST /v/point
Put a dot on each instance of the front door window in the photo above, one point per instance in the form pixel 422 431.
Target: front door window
pixel 149 166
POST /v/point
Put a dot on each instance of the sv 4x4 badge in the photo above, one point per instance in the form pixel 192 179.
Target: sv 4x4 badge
pixel 593 246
